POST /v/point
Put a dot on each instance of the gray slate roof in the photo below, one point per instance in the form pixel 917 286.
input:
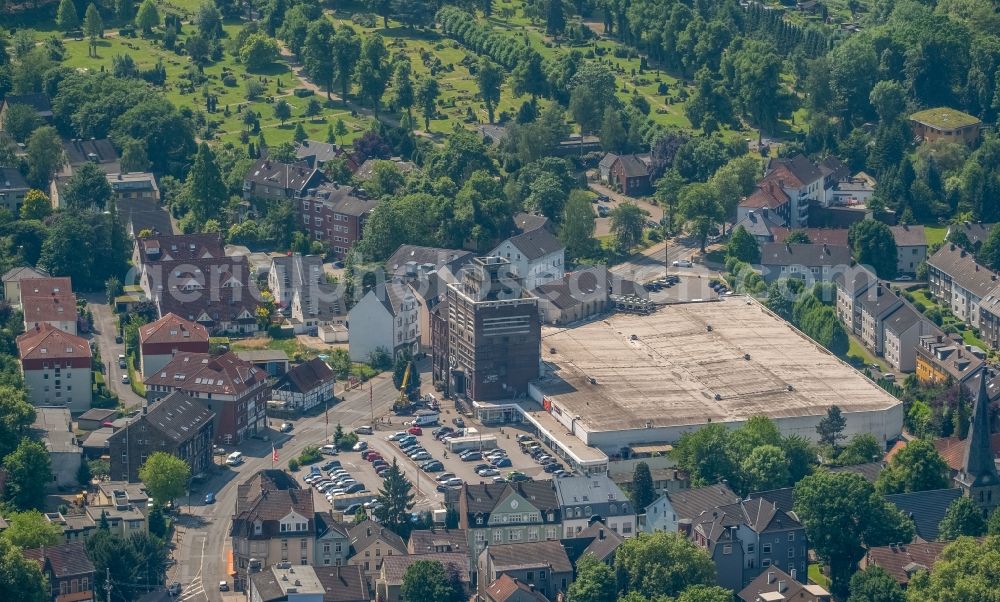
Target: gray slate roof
pixel 536 243
pixel 805 255
pixel 909 236
pixel 902 320
pixel 690 503
pixel 963 270
pixel 513 556
pixel 926 508
pixel 178 416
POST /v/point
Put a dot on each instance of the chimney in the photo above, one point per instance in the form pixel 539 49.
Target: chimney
pixel 826 249
pixel 600 534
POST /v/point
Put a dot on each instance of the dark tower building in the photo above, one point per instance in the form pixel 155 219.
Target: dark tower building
pixel 978 477
pixel 493 334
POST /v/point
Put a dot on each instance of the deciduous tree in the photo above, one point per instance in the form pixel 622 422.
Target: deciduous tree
pixel 964 517
pixel 873 244
pixel 578 225
pixel 627 221
pixel 916 467
pixel 20 120
pixel 36 205
pixel 875 585
pixel 30 529
pixel 699 206
pixel 45 156
pixel 20 577
pixel 165 476
pixel 743 246
pixel 429 581
pixel 489 79
pixel 87 188
pixel 661 563
pixel 29 470
pixel 595 581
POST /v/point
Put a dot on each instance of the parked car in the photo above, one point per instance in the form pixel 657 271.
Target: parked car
pixel 552 467
pixel 471 456
pixel 682 263
pixel 353 509
pixel 502 462
pixel 459 422
pixel 415 430
pixel 524 439
pixel 515 476
pixel 209 498
pixel 360 446
pixel 174 589
pixel 444 476
pixel 432 466
pixel 125 379
pixel 396 436
pixel 422 455
pixel 489 471
pixel 363 430
pixel 285 427
pixel 375 456
pixel 381 471
pixel 355 488
pixel 328 449
pixel 218 451
pixel 442 431
pixel 379 463
pixel 223 586
pixel 455 482
pixel 331 465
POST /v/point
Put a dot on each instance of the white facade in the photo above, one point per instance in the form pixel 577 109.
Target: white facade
pixel 391 323
pixel 67 325
pixel 51 386
pixel 548 267
pixel 660 516
pixel 900 349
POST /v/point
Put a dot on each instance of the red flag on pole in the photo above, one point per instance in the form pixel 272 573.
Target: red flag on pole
pixel 274 454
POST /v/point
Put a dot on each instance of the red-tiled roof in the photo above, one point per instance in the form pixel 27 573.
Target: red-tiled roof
pixel 48 299
pixel 952 449
pixel 768 194
pixel 226 374
pixel 172 328
pixel 48 342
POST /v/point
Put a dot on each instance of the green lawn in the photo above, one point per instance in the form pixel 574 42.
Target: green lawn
pixel 816 576
pixel 923 296
pixel 856 349
pixel 935 234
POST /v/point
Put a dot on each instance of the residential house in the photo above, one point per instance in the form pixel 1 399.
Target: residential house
pixel 121 494
pixel 835 237
pixel 95 446
pixel 274 362
pixel 371 544
pixel 437 541
pixel 666 512
pixel 501 513
pixel 123 520
pixel 40 102
pixel 49 301
pixel 99 151
pixel 161 340
pixel 597 540
pixel 343 583
pixel 959 282
pixel 874 312
pixel 975 233
pixel 144 216
pixel 584 499
pixel 12 282
pixel 939 358
pixel 748 537
pixel 946 124
pixel 925 508
pixel 13 187
pixel 542 564
pixel 809 262
pixel 902 561
pixel 299 286
pixel 56 366
pixel 604 167
pixel 855 285
pixel 306 386
pixel 74 527
pixel 274 521
pixel 335 214
pixel 389 584
pixel 536 257
pixel 95 418
pixel 191 276
pixel 526 222
pixel 775 585
pixel 53 426
pixel 801 181
pixel 366 171
pixel 978 477
pixel 767 198
pixel 759 223
pixel 387 319
pixel 630 175
pixel 333 541
pixel 178 424
pixel 269 180
pixel 509 589
pixel 133 186
pixel 285 582
pixel 235 391
pixel 902 331
pixel 317 154
pixel 68 571
pixel 911 248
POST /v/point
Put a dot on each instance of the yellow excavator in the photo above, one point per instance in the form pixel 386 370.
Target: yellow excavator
pixel 403 401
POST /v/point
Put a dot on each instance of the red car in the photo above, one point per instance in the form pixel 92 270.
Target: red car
pixel 415 430
pixel 374 456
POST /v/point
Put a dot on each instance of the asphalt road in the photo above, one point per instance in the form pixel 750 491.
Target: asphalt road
pixel 104 334
pixel 202 534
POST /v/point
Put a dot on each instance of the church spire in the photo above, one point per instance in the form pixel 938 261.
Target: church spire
pixel 977 464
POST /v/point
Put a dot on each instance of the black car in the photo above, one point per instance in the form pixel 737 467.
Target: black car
pixel 552 467
pixel 432 466
pixel 459 422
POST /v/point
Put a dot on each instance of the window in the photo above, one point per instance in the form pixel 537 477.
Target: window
pixel 378 552
pixel 498 536
pixel 367 566
pixel 751 547
pixel 791 536
pixel 338 547
pixel 284 544
pixel 533 533
pixel 626 528
pixel 326 548
pixel 303 544
pixel 766 562
pixel 479 520
pixel 727 549
pixel 791 552
pixel 530 576
pixel 766 548
pixel 480 537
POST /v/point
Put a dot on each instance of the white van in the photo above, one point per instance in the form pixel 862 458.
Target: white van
pixel 234 459
pixel 425 418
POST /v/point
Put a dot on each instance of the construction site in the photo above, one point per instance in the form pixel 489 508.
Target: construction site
pixel 648 378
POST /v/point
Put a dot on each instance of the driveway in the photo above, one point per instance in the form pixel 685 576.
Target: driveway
pixel 104 334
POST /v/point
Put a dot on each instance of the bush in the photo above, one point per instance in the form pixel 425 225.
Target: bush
pixel 309 455
pixel 293 465
pixel 254 88
pixel 920 307
pixel 303 92
pixel 347 441
pixel 229 80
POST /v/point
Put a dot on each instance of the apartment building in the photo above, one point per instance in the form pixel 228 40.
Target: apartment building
pixel 336 215
pixel 56 366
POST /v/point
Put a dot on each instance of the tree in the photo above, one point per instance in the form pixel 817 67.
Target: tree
pixel 965 570
pixel 989 253
pixel 751 70
pixel 705 593
pixel 862 449
pixel 45 156
pixel 66 16
pixel 205 193
pixel 21 578
pixel 595 581
pixel 765 468
pixel 396 501
pixel 643 493
pixel 135 564
pixel 428 581
pixel 592 92
pixel 30 529
pixel 346 51
pixel 743 246
pixel 700 208
pixel 843 514
pixel 300 135
pixel 148 17
pixel 875 585
pixel 831 428
pixel 490 79
pixel 36 205
pixel 382 8
pixel 20 120
pixel 661 563
pixel 797 237
pixel 258 51
pixel 963 518
pixel 577 226
pixel 427 95
pixel 93 26
pixel 29 470
pixel 555 17
pixel 547 196
pixel 733 182
pixel 889 99
pixel 627 221
pixel 801 456
pixel 704 455
pixel 873 244
pixel 373 71
pixel 282 110
pixel 402 85
pixel 318 54
pixel 87 188
pixel 134 156
pixel 916 467
pixel 993 525
pixel 165 476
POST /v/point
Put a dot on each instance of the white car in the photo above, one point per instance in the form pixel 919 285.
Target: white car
pixel 682 263
pixel 444 476
pixel 329 449
pixel 363 430
pixel 488 472
pixel 360 446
